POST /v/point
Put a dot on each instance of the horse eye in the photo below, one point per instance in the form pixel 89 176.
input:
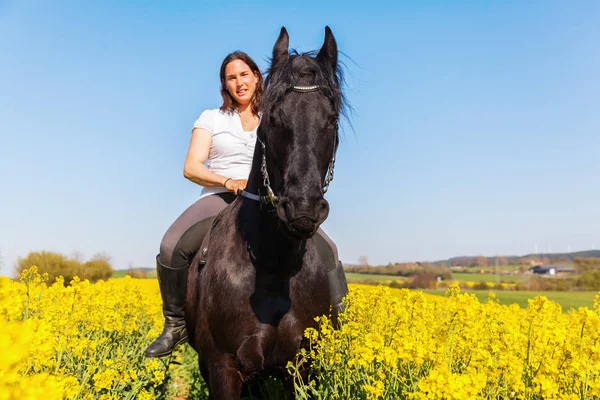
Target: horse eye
pixel 333 122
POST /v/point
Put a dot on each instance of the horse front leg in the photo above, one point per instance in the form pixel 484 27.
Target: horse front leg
pixel 290 389
pixel 224 379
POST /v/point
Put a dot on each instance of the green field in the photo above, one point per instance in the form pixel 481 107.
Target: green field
pixel 484 277
pixel 353 277
pixel 120 273
pixel 565 299
pixel 492 268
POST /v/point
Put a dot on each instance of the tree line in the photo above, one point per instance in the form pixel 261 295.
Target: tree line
pixel 57 264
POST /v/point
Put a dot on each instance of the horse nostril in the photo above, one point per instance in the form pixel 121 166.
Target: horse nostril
pixel 321 210
pixel 285 209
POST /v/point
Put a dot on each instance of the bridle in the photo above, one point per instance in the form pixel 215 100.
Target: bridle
pixel 270 197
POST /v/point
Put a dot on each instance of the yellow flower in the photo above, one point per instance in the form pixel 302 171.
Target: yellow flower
pixel 133 374
pixel 158 377
pixel 105 379
pixel 144 395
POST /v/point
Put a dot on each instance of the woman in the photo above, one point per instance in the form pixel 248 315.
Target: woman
pixel 226 138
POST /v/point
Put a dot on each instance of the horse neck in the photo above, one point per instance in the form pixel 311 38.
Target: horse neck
pixel 271 250
pixel 277 252
pixel 270 247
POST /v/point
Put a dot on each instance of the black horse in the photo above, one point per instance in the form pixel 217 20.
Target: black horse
pixel 263 282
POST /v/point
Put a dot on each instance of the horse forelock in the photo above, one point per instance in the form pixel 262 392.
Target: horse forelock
pixel 281 78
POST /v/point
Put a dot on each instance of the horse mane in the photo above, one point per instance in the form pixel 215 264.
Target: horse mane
pixel 280 80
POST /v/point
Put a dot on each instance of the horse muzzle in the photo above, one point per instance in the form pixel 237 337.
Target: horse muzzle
pixel 302 219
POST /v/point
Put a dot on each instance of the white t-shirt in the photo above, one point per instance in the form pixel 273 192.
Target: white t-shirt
pixel 232 148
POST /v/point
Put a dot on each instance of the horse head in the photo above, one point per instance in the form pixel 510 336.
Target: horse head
pixel 298 134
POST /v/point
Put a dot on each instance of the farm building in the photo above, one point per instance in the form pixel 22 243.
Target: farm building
pixel 552 270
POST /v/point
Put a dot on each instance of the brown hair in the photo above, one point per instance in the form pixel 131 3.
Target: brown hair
pixel 229 103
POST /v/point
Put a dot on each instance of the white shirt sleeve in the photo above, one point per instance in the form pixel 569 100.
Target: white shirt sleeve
pixel 206 121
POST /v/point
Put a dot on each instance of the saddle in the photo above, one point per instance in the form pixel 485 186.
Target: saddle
pixel 203 250
pixel 204 247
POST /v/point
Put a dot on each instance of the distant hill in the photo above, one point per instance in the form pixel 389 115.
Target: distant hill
pixel 464 260
pixel 512 259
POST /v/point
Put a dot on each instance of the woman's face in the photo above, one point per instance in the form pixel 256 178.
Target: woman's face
pixel 240 81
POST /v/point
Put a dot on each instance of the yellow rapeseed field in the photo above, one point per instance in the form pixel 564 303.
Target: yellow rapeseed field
pixel 80 341
pixel 401 344
pixel 86 341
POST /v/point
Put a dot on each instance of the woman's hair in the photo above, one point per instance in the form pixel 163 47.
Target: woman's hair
pixel 229 103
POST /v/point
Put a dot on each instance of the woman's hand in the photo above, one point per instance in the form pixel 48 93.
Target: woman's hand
pixel 235 185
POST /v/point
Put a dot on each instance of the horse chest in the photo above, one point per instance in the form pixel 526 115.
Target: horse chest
pixel 270 347
pixel 281 309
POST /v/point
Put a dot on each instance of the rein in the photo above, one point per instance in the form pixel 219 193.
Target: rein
pixel 270 197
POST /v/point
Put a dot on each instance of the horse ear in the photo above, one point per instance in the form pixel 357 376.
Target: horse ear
pixel 281 51
pixel 329 52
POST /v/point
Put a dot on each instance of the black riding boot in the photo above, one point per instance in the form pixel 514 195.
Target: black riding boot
pixel 173 283
pixel 338 288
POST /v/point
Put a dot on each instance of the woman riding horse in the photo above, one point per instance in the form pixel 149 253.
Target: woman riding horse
pixel 265 279
pixel 226 137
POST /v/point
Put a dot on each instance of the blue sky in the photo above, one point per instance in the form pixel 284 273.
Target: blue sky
pixel 476 127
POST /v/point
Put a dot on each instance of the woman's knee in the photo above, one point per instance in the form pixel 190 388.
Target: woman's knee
pixel 330 243
pixel 184 236
pixel 334 249
pixel 179 247
pixel 167 248
pixel 327 250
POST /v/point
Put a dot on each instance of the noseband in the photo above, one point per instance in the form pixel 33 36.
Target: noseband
pixel 271 198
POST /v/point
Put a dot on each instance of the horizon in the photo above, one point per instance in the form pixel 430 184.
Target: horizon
pixel 475 127
pixel 441 260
